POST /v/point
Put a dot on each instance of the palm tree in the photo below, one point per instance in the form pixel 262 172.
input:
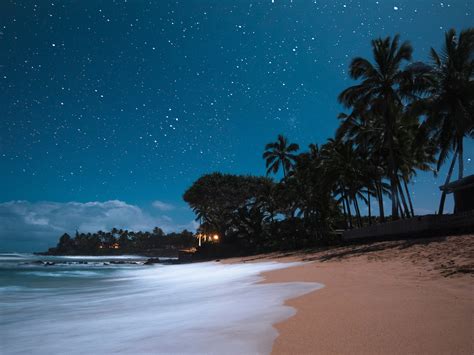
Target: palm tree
pixel 413 153
pixel 380 93
pixel 363 131
pixel 343 167
pixel 309 194
pixel 450 106
pixel 280 153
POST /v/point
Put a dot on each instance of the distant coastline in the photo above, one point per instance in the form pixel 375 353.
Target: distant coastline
pixel 123 242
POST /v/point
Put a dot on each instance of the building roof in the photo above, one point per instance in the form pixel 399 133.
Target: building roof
pixel 460 184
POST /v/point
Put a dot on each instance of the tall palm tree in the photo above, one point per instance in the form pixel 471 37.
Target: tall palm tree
pixel 363 131
pixel 343 167
pixel 312 193
pixel 413 153
pixel 280 153
pixel 450 106
pixel 380 92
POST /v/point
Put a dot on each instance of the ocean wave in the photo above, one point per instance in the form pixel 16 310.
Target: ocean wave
pixel 14 256
pixel 66 273
pixel 12 288
pixel 103 257
pixel 211 307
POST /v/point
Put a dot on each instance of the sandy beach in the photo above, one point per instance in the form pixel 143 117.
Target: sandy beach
pixel 397 297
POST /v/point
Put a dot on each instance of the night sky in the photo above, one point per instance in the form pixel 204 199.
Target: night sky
pixel 111 109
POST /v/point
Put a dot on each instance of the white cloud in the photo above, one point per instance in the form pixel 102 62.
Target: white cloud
pixel 162 206
pixel 34 226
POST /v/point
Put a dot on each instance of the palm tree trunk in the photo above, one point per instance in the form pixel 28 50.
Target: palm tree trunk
pixel 368 206
pixel 448 178
pixel 402 196
pixel 409 197
pixel 393 178
pixel 356 207
pixel 380 199
pixel 401 211
pixel 461 160
pixel 344 211
pixel 348 211
pixel 393 189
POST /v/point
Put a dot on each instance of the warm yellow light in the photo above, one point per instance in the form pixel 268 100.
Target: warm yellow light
pixel 216 237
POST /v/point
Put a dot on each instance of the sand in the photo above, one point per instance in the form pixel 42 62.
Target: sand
pixel 404 297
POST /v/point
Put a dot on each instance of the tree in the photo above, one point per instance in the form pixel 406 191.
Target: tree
pixel 450 106
pixel 413 154
pixel 364 132
pixel 380 93
pixel 230 205
pixel 66 244
pixel 102 242
pixel 312 194
pixel 280 153
pixel 343 167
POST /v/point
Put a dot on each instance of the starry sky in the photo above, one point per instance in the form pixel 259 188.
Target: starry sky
pixel 113 108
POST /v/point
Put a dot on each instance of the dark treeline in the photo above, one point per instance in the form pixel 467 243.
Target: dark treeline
pixel 401 117
pixel 120 241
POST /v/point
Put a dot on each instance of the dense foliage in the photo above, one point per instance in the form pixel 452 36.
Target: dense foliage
pixel 253 213
pixel 119 241
pixel 402 117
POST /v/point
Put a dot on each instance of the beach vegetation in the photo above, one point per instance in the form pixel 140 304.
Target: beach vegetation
pixel 402 117
pixel 122 241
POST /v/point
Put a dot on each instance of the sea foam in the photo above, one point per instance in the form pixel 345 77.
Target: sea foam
pixel 198 308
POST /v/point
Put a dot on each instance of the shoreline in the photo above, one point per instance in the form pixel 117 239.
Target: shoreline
pixel 387 297
pixel 145 305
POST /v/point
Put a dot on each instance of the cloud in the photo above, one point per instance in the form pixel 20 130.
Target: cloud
pixel 35 226
pixel 162 206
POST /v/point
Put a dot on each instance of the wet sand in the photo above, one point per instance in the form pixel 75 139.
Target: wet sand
pixel 403 297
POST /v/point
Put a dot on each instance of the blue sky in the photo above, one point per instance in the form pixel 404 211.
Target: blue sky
pixel 131 101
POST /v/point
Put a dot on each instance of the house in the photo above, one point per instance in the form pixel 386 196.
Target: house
pixel 463 190
pixel 207 238
pixel 109 246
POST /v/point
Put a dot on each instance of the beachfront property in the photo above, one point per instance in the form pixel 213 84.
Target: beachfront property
pixel 207 238
pixel 463 191
pixel 109 246
pixel 460 221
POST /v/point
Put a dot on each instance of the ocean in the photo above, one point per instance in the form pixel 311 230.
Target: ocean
pixel 109 305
